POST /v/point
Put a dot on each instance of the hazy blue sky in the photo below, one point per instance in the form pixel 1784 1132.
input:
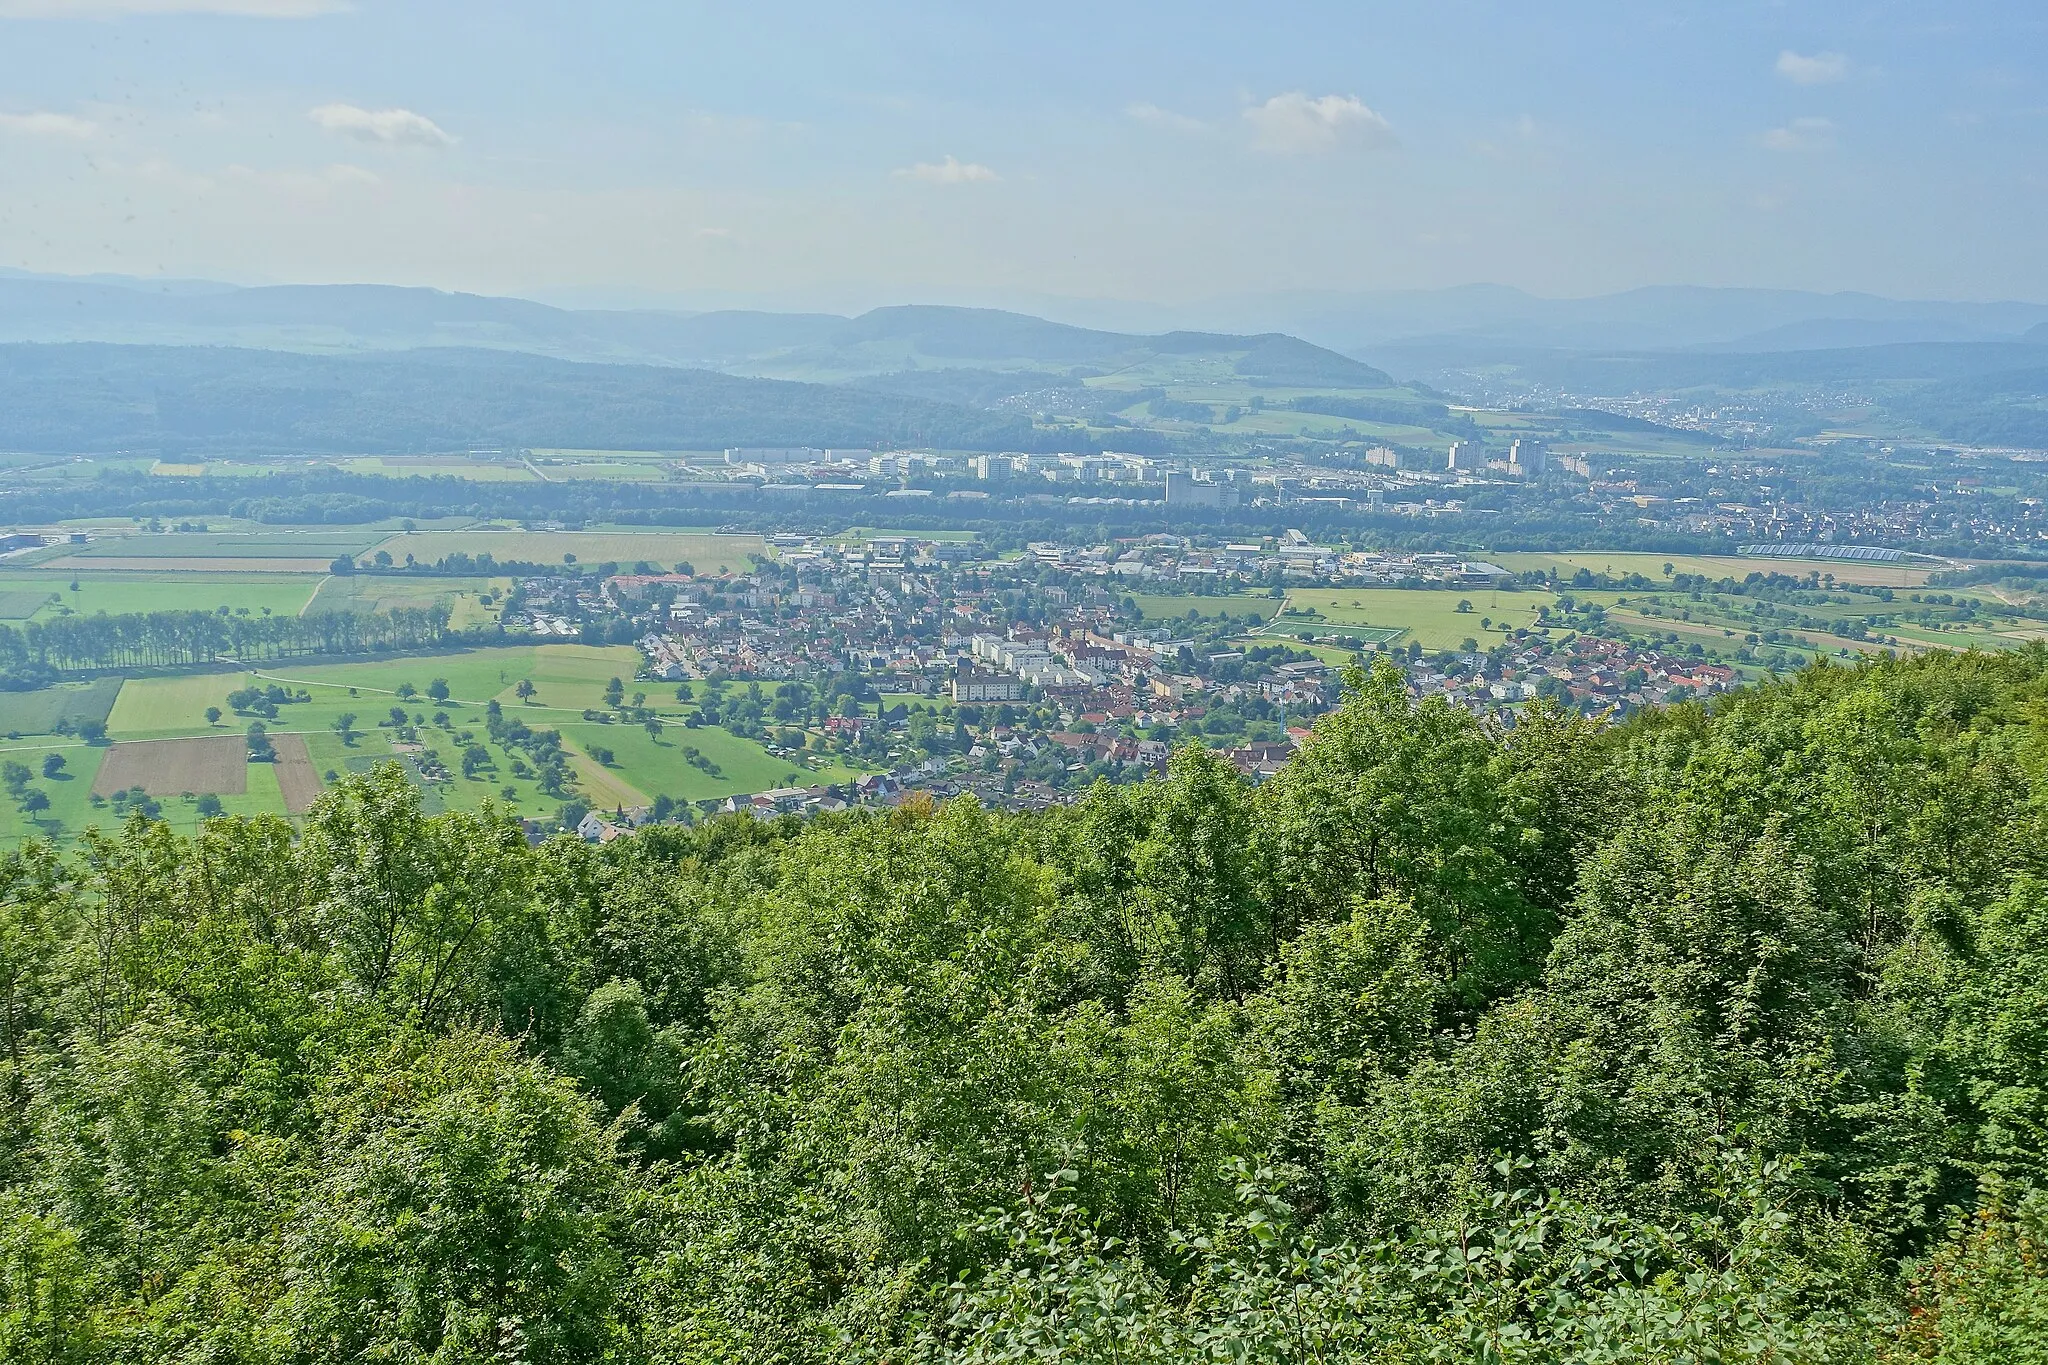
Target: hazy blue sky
pixel 895 150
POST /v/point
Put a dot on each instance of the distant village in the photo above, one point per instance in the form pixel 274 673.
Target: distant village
pixel 1024 678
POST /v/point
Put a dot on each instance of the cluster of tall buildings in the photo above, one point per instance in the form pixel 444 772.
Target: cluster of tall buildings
pixel 1525 460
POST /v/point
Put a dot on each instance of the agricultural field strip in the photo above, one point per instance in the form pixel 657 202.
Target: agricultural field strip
pixel 1716 614
pixel 217 764
pixel 18 604
pixel 298 780
pixel 314 596
pixel 174 588
pixel 227 544
pixel 522 709
pixel 1428 615
pixel 706 552
pixel 193 564
pixel 1738 567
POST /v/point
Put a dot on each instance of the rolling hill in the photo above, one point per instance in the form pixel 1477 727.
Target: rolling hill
pixel 330 319
pixel 87 397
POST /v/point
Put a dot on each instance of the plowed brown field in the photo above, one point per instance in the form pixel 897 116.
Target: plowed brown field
pixel 166 767
pixel 297 779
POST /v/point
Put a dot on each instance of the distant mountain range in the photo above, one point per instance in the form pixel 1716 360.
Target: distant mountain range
pixel 86 397
pixel 1470 319
pixel 108 362
pixel 816 346
pixel 1667 317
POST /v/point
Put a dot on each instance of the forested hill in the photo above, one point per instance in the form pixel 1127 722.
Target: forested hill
pixel 172 400
pixel 1713 1035
pixel 329 319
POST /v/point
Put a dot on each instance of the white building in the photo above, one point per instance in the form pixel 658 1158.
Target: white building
pixel 1527 458
pixel 1183 490
pixel 1465 456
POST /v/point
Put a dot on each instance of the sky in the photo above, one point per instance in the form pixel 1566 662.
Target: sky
pixel 833 155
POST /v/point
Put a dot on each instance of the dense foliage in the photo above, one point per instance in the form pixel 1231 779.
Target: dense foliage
pixel 1708 1036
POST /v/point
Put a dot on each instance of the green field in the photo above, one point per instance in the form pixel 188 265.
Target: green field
pixel 565 677
pixel 38 713
pixel 18 604
pixel 160 708
pixel 1159 607
pixel 1719 621
pixel 366 593
pixel 1651 566
pixel 568 679
pixel 72 809
pixel 647 767
pixel 476 471
pixel 614 471
pixel 279 542
pixel 1428 615
pixel 116 591
pixel 705 553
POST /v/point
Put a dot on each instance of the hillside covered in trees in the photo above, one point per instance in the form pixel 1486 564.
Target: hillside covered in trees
pixel 171 400
pixel 1715 1035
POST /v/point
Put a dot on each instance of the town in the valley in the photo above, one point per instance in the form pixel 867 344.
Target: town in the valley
pixel 1025 678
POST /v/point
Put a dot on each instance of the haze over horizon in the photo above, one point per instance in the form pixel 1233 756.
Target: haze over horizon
pixel 915 153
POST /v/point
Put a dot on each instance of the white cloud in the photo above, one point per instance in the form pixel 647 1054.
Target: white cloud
pixel 1822 68
pixel 48 125
pixel 1152 116
pixel 386 127
pixel 1294 123
pixel 951 171
pixel 108 9
pixel 1802 135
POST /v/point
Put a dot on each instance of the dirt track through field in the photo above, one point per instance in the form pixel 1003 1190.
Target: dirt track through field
pixel 218 764
pixel 296 777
